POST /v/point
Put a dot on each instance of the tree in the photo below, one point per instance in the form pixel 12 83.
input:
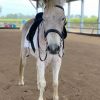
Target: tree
pixel 12 16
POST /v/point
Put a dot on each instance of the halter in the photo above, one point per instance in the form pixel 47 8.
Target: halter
pixel 59 7
pixel 53 30
pixel 45 35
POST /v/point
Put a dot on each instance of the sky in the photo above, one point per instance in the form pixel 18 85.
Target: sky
pixel 25 7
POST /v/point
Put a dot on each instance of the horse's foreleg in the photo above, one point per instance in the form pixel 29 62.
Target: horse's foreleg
pixel 21 67
pixel 56 68
pixel 41 78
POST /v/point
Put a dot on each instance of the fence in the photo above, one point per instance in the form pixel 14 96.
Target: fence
pixel 88 28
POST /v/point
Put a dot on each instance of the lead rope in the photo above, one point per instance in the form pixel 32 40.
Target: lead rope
pixel 62 47
pixel 39 48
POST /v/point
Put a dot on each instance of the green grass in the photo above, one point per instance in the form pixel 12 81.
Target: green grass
pixel 76 21
pixel 86 20
pixel 10 20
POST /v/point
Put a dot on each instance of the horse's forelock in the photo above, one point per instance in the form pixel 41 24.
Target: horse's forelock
pixel 51 3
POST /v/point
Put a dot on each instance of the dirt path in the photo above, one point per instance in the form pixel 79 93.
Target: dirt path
pixel 79 76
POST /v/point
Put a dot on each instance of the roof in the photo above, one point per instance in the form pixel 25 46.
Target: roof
pixel 42 1
pixel 66 0
pixel 70 0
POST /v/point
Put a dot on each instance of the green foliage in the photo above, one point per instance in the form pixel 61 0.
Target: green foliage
pixel 16 21
pixel 92 19
pixel 88 22
pixel 11 20
pixel 74 21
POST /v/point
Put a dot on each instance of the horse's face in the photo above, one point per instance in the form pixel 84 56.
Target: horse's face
pixel 53 25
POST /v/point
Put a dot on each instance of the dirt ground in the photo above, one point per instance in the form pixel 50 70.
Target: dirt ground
pixel 79 76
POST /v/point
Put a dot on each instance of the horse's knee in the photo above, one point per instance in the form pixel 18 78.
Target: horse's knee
pixel 42 84
pixel 55 84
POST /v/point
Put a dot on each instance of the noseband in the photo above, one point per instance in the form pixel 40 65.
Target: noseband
pixel 53 30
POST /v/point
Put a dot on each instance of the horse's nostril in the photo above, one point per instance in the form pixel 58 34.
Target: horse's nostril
pixel 53 49
pixel 57 48
pixel 48 48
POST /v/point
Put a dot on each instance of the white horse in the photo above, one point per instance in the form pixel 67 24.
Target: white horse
pixel 48 43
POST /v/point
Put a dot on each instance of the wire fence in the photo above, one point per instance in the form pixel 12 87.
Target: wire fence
pixel 88 28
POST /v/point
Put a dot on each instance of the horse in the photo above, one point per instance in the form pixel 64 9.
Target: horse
pixel 49 45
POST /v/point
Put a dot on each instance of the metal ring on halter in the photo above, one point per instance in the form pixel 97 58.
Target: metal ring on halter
pixel 61 47
pixel 40 56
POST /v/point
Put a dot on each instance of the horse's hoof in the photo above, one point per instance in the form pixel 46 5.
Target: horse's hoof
pixel 55 98
pixel 40 98
pixel 21 83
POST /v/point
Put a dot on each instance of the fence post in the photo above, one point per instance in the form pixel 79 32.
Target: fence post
pixel 82 15
pixel 68 16
pixel 98 18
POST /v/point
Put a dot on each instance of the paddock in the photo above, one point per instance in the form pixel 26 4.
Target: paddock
pixel 79 76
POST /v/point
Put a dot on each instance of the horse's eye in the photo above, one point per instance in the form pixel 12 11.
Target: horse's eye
pixel 44 19
pixel 63 18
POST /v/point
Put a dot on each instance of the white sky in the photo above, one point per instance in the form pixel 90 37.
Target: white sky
pixel 24 7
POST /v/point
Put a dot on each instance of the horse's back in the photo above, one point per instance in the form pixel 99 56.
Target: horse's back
pixel 27 25
pixel 25 29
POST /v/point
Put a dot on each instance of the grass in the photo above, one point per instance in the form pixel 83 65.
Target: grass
pixel 17 21
pixel 74 21
pixel 86 20
pixel 11 20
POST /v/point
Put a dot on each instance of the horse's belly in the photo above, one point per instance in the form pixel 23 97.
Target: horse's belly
pixel 27 44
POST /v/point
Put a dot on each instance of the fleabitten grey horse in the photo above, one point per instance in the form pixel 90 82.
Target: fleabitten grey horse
pixel 50 50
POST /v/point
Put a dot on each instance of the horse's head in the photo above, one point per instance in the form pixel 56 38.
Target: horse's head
pixel 54 20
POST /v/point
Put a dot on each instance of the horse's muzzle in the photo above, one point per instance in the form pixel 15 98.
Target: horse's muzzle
pixel 53 49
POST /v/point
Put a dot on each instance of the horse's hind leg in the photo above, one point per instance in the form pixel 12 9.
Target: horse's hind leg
pixel 22 65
